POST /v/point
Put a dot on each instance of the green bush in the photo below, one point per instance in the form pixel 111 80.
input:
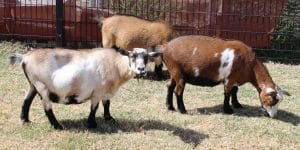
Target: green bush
pixel 147 9
pixel 286 37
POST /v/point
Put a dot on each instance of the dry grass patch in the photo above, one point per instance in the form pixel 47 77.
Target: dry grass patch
pixel 144 122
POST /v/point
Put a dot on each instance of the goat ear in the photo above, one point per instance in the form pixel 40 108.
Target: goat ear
pixel 286 93
pixel 129 53
pixel 157 48
pixel 154 54
pixel 123 51
pixel 151 49
pixel 283 91
pixel 175 34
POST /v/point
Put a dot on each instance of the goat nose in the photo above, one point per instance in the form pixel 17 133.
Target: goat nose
pixel 141 68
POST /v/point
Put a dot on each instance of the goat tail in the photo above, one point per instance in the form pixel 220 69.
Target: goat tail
pixel 158 48
pixel 15 58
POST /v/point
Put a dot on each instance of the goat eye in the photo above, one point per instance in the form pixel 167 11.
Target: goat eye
pixel 145 57
pixel 275 98
pixel 273 95
pixel 274 101
pixel 133 56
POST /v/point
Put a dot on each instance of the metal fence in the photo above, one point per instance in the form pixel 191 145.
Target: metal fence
pixel 259 23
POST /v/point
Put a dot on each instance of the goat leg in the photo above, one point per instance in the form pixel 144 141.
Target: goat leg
pixel 169 99
pixel 92 119
pixel 107 116
pixel 227 109
pixel 234 100
pixel 179 96
pixel 180 104
pixel 158 71
pixel 26 104
pixel 52 119
pixel 46 97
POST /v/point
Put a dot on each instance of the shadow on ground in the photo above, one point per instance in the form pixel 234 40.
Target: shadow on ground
pixel 151 75
pixel 250 111
pixel 186 135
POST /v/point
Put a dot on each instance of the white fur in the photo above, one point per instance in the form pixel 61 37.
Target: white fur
pixel 47 104
pixel 140 50
pixel 227 56
pixel 94 71
pixel 235 84
pixel 226 81
pixel 194 50
pixel 216 54
pixel 67 76
pixel 269 90
pixel 272 110
pixel 84 69
pixel 139 62
pixel 262 86
pixel 279 95
pixel 196 71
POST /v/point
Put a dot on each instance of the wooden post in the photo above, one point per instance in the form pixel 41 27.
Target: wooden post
pixel 60 36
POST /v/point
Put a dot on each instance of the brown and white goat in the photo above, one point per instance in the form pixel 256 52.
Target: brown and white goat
pixel 206 61
pixel 128 32
pixel 72 77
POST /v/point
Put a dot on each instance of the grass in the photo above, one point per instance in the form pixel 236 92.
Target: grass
pixel 144 122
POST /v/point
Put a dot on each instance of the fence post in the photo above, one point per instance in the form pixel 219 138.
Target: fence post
pixel 60 36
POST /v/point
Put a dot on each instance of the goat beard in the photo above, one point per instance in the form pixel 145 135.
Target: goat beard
pixel 138 77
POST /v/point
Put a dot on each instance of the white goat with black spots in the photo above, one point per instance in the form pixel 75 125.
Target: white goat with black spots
pixel 72 77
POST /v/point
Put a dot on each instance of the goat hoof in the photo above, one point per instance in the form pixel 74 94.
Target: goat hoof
pixel 92 125
pixel 111 120
pixel 25 121
pixel 183 111
pixel 228 110
pixel 237 105
pixel 171 108
pixel 108 118
pixel 58 127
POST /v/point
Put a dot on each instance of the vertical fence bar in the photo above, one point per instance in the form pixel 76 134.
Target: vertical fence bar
pixel 80 24
pixel 86 24
pixel 60 23
pixel 205 19
pixel 97 27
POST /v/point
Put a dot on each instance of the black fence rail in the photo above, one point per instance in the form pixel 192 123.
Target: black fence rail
pixel 271 27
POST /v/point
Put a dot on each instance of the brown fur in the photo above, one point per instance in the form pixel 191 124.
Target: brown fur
pixel 181 50
pixel 183 54
pixel 128 32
